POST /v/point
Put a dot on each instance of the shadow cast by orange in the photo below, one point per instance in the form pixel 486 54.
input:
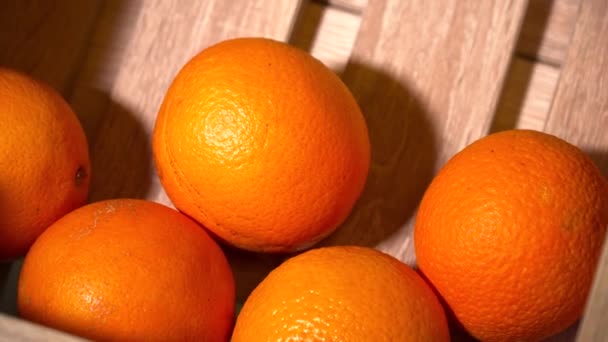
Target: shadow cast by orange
pixel 121 156
pixel 404 154
pixel 403 161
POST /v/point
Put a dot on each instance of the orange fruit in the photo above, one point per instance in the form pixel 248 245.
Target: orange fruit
pixel 342 294
pixel 128 270
pixel 509 233
pixel 262 144
pixel 44 161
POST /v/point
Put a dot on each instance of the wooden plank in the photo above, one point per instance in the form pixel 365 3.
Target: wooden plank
pixel 46 39
pixel 579 114
pixel 12 329
pixel 547 29
pixel 328 33
pixel 527 96
pixel 428 75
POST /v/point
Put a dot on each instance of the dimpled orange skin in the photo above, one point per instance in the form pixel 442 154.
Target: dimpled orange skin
pixel 262 144
pixel 509 233
pixel 44 161
pixel 128 270
pixel 342 294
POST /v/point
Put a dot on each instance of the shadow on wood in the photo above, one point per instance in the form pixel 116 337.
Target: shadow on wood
pixel 601 160
pixel 122 160
pixel 250 268
pixel 404 154
pixel 9 276
pixel 397 180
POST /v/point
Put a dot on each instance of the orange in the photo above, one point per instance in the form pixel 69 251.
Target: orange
pixel 262 144
pixel 44 161
pixel 342 294
pixel 509 234
pixel 128 270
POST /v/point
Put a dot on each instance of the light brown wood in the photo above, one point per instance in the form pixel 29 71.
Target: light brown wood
pixel 355 6
pixel 579 114
pixel 328 33
pixel 526 96
pixel 427 75
pixel 547 29
pixel 16 330
pixel 46 39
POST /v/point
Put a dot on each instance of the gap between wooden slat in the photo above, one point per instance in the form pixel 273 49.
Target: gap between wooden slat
pixel 328 33
pixel 526 96
pixel 547 29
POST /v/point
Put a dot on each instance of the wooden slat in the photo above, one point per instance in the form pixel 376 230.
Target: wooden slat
pixel 547 29
pixel 427 75
pixel 328 33
pixel 12 329
pixel 579 114
pixel 527 96
pixel 46 39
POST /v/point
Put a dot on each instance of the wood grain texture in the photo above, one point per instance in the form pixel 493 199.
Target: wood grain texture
pixel 428 76
pixel 16 330
pixel 46 39
pixel 579 114
pixel 593 327
pixel 526 97
pixel 328 33
pixel 547 30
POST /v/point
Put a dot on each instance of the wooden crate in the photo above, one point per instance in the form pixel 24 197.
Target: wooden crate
pixel 431 77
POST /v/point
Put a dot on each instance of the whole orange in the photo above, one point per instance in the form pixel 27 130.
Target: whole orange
pixel 128 270
pixel 44 161
pixel 262 144
pixel 342 294
pixel 509 233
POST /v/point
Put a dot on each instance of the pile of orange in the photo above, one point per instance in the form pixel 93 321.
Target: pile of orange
pixel 261 147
